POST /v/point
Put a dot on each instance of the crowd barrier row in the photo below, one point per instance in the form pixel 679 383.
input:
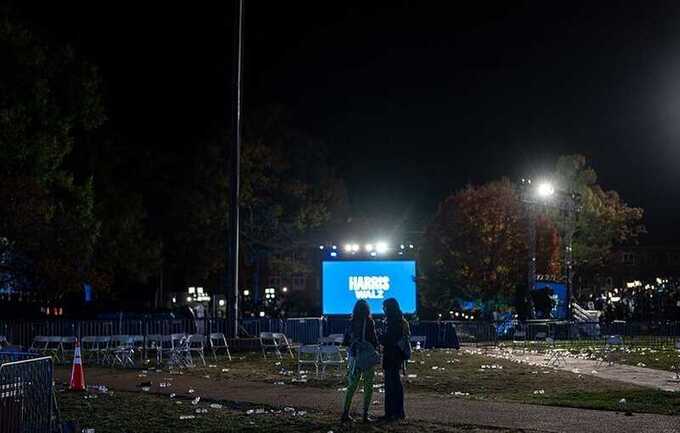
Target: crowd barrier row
pixel 25 393
pixel 438 334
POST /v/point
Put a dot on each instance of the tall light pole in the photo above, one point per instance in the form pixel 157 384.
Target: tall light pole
pixel 232 277
pixel 545 193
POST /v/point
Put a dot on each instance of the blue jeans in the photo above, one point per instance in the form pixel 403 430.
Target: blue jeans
pixel 394 394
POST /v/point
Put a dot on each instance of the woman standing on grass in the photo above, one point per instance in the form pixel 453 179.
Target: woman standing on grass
pixel 396 328
pixel 360 337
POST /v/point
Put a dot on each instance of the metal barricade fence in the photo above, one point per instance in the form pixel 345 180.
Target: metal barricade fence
pixel 26 399
pixel 308 330
pixel 305 330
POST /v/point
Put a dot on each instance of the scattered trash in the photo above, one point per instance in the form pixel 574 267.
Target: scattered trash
pixel 195 401
pixel 622 401
pixel 216 406
pixel 146 389
pixel 201 410
pixel 289 409
pixel 279 383
pixel 191 391
pixel 207 376
pixel 641 364
pixel 87 430
pixel 301 380
pixel 460 394
pixel 593 372
pixel 277 363
pixel 187 417
pixel 212 366
pixel 172 395
pixel 412 376
pixel 165 384
pixel 342 389
pixel 225 370
pixel 539 392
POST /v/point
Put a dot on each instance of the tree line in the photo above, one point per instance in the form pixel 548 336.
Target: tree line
pixel 82 203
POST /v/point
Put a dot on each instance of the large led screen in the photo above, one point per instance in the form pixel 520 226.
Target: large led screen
pixel 345 282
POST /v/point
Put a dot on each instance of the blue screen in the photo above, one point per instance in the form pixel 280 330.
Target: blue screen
pixel 345 282
pixel 560 308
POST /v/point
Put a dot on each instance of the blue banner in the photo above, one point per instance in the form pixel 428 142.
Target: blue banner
pixel 345 282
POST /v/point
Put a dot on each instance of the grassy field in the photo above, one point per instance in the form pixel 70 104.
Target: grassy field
pixel 125 412
pixel 467 374
pixel 637 353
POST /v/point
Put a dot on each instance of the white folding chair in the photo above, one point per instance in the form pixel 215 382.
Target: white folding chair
pixel 197 345
pixel 268 342
pixel 89 348
pixel 54 348
pixel 103 349
pixel 612 343
pixel 283 343
pixel 39 344
pixel 337 338
pixel 122 351
pixel 330 356
pixel 308 355
pixel 218 341
pixel 166 348
pixel 554 356
pixel 68 347
pixel 180 355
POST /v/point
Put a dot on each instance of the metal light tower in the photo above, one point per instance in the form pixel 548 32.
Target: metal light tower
pixel 545 194
pixel 232 280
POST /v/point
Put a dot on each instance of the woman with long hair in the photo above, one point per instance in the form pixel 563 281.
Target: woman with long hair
pixel 396 328
pixel 360 331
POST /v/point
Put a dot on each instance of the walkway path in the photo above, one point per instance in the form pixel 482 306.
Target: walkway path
pixel 429 407
pixel 648 377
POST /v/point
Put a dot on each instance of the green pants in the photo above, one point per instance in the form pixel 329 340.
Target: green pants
pixel 353 378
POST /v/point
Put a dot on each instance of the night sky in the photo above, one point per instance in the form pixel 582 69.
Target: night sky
pixel 414 99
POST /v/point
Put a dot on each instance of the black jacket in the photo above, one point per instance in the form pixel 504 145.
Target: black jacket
pixel 392 356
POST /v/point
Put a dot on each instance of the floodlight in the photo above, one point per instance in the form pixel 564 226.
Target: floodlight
pixel 355 247
pixel 222 302
pixel 369 247
pixel 545 189
pixel 381 247
pixel 348 247
pixel 261 313
pixel 246 292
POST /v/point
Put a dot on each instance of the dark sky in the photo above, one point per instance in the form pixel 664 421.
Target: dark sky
pixel 414 99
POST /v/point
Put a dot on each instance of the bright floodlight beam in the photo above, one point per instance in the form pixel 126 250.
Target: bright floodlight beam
pixel 381 247
pixel 348 248
pixel 545 190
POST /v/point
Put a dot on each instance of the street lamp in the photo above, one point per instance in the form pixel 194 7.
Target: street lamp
pixel 545 190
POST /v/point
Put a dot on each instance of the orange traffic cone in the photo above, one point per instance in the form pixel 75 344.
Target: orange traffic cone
pixel 77 382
